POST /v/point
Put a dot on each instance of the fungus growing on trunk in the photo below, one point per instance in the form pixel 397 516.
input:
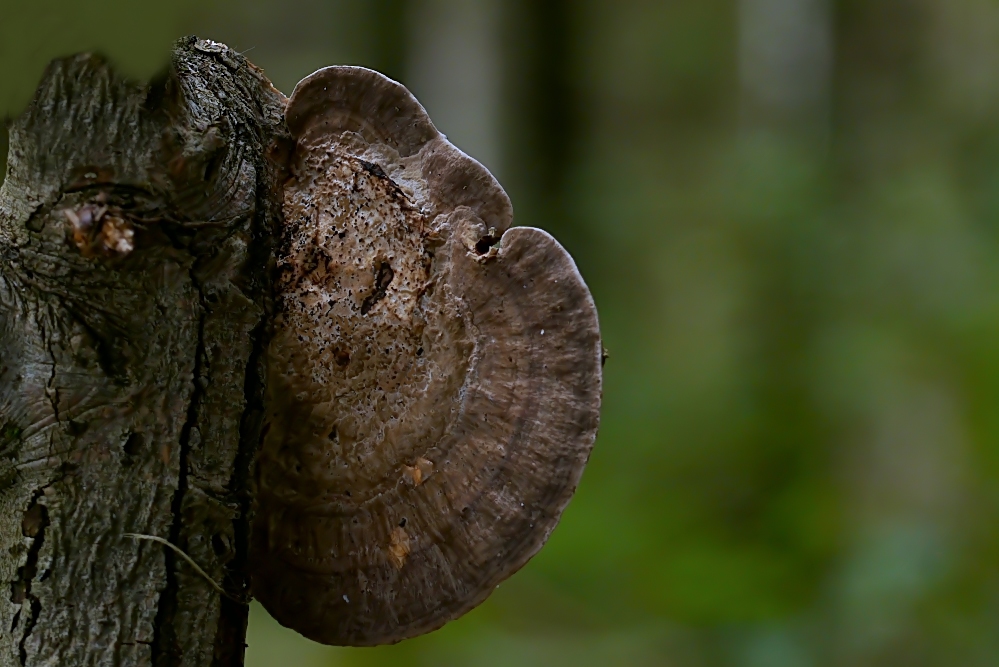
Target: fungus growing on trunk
pixel 434 376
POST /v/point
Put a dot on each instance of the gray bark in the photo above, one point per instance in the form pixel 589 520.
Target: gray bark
pixel 131 368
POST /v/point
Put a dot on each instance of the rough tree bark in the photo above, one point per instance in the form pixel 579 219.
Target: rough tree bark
pixel 135 227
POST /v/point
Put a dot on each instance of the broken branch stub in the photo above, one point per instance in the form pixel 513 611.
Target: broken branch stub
pixel 434 376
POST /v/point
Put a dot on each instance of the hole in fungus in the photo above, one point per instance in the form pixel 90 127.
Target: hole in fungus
pixel 485 243
pixel 383 277
pixel 341 357
pixel 333 436
pixel 374 169
pixel 402 524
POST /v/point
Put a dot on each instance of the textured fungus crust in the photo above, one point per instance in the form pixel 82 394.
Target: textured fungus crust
pixel 433 395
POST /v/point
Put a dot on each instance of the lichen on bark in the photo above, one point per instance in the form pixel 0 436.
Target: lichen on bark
pixel 135 247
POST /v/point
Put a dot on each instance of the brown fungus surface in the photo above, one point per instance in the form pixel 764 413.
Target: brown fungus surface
pixel 434 377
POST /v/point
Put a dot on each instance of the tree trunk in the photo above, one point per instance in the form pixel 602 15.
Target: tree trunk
pixel 135 249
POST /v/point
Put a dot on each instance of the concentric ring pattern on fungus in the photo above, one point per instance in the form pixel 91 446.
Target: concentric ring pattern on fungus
pixel 434 377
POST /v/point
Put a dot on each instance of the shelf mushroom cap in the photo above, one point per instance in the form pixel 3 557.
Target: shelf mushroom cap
pixel 434 377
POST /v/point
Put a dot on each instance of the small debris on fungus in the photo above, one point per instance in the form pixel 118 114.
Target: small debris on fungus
pixel 399 548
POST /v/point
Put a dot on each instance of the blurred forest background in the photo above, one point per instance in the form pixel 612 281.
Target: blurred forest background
pixel 788 213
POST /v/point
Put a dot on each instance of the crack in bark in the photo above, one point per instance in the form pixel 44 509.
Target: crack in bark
pixel 33 525
pixel 52 390
pixel 253 393
pixel 164 647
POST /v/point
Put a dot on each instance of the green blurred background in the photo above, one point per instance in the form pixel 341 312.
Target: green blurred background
pixel 788 213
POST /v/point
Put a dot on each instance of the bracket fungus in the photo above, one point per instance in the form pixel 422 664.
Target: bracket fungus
pixel 434 376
